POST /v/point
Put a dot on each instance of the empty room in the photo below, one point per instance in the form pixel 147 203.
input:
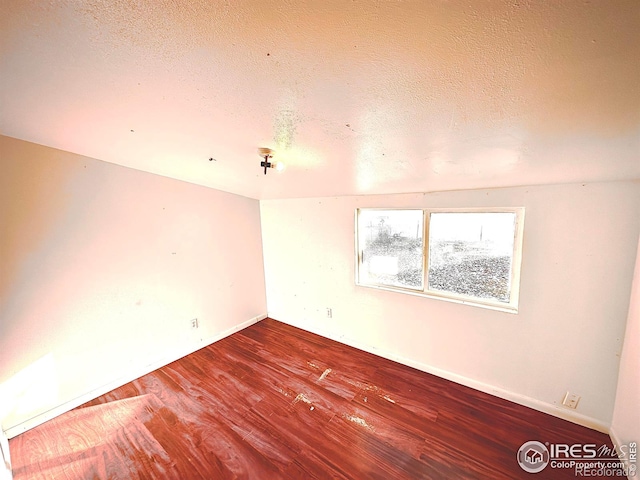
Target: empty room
pixel 319 239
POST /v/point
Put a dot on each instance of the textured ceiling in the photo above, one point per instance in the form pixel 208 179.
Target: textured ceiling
pixel 356 97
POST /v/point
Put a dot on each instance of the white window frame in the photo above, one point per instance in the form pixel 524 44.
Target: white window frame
pixel 514 297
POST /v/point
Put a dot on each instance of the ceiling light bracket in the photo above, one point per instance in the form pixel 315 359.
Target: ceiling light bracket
pixel 267 155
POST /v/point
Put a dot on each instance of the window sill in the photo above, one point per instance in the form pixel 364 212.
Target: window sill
pixel 447 298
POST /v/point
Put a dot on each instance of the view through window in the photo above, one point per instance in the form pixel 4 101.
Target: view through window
pixel 471 254
pixel 466 256
pixel 392 247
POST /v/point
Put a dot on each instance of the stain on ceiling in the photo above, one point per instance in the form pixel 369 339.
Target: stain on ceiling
pixel 355 97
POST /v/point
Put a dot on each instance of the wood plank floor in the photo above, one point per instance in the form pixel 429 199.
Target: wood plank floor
pixel 273 401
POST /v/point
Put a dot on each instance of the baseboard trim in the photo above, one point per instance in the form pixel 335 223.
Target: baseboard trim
pixel 39 419
pixel 514 397
pixel 5 458
pixel 615 439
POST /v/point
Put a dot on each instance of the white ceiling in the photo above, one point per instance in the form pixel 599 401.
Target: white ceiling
pixel 357 97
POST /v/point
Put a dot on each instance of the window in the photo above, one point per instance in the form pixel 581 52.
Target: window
pixel 392 247
pixel 467 256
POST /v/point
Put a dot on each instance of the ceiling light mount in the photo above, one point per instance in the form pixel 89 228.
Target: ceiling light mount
pixel 267 154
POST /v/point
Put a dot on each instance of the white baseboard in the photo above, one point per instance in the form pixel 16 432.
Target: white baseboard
pixel 5 458
pixel 615 439
pixel 32 422
pixel 514 397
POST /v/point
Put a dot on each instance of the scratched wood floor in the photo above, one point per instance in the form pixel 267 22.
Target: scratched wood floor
pixel 273 401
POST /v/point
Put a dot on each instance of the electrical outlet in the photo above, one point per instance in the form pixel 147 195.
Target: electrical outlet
pixel 194 323
pixel 329 313
pixel 571 400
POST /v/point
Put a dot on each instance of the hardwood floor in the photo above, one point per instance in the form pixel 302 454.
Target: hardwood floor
pixel 273 401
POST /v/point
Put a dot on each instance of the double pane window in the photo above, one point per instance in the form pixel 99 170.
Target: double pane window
pixel 468 256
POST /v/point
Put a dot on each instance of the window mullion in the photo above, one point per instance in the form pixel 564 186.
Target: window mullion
pixel 425 250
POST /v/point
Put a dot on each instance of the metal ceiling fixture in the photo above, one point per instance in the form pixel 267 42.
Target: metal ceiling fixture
pixel 267 154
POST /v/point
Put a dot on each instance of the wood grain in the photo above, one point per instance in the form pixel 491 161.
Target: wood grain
pixel 273 401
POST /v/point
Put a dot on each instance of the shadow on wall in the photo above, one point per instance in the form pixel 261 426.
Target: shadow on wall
pixel 30 390
pixel 33 220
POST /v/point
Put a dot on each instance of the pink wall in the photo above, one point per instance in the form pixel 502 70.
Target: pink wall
pixel 576 274
pixel 103 268
pixel 625 427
